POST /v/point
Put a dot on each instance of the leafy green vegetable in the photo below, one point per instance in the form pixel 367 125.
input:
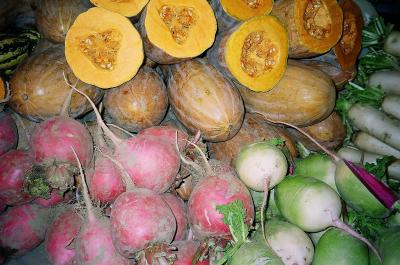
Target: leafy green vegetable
pixel 234 216
pixel 376 32
pixel 376 60
pixel 369 227
pixel 379 168
pixel 275 141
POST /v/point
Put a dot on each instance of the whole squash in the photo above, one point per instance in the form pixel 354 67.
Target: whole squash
pixel 39 89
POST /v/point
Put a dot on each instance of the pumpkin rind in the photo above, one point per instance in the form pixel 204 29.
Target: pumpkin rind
pixel 175 30
pixel 202 99
pixel 55 17
pixel 303 96
pixel 139 103
pixel 117 51
pixel 127 8
pixel 314 26
pixel 253 53
pixel 253 129
pixel 39 89
pixel 349 45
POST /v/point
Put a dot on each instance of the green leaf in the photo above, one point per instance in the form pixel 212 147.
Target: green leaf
pixel 375 33
pixel 369 227
pixel 275 141
pixel 379 168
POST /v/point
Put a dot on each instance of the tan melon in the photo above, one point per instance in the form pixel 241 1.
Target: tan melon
pixel 175 30
pixel 314 26
pixel 202 99
pixel 139 103
pixel 253 53
pixel 103 48
pixel 303 97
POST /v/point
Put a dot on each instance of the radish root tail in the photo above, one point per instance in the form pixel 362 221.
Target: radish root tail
pixel 264 205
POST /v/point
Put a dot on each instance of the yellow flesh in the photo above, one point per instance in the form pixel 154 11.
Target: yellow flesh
pixel 245 9
pixel 316 25
pixel 125 51
pixel 181 28
pixel 257 51
pixel 348 39
pixel 128 8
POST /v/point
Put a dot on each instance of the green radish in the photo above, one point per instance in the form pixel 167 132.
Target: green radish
pixel 260 164
pixel 315 237
pixel 272 210
pixel 289 242
pixel 394 220
pixel 389 247
pixel 312 205
pixel 336 247
pixel 318 166
pixel 356 195
pixel 255 253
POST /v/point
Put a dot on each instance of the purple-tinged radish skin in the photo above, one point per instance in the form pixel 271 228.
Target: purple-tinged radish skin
pixel 8 133
pixel 151 162
pixel 368 143
pixel 59 236
pixel 94 243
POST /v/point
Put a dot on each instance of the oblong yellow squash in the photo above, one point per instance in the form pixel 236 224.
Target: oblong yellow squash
pixel 253 53
pixel 314 26
pixel 174 30
pixel 231 12
pixel 127 8
pixel 103 48
pixel 202 99
pixel 304 96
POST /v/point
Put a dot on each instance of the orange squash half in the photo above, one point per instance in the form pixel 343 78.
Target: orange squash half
pixel 127 8
pixel 175 30
pixel 314 26
pixel 103 48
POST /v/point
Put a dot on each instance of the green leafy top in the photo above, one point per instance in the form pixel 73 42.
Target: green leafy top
pixel 369 227
pixel 379 168
pixel 375 33
pixel 234 216
pixel 275 141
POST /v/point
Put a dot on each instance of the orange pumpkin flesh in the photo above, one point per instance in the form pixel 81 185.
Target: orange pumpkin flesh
pixel 127 8
pixel 349 45
pixel 103 48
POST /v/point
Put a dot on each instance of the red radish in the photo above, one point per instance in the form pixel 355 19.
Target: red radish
pixel 151 162
pixel 220 186
pixel 105 179
pixel 179 209
pixel 167 133
pixel 94 243
pixel 3 206
pixel 8 133
pixel 138 217
pixel 23 227
pixel 59 236
pixel 55 198
pixel 13 167
pixel 186 253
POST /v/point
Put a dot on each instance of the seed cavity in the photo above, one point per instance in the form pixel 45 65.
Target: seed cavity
pixel 258 54
pixel 253 3
pixel 179 21
pixel 348 39
pixel 102 48
pixel 317 21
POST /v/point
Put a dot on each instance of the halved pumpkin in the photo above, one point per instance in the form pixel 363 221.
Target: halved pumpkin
pixel 103 48
pixel 3 91
pixel 314 26
pixel 230 12
pixel 127 8
pixel 174 30
pixel 349 45
pixel 254 53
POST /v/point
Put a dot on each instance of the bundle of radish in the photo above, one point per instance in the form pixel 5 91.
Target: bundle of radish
pixel 8 133
pixel 388 244
pixel 14 165
pixel 94 239
pixel 179 209
pixel 60 235
pixel 54 164
pixel 23 227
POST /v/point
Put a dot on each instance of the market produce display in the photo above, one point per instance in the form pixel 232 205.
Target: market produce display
pixel 194 132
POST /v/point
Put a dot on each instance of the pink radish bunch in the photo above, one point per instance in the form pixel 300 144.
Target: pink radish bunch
pixel 60 235
pixel 179 210
pixel 8 133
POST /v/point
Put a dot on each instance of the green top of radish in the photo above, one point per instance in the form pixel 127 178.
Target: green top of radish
pixel 337 247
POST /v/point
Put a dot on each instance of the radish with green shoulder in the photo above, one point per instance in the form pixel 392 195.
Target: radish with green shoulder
pixel 389 245
pixel 337 247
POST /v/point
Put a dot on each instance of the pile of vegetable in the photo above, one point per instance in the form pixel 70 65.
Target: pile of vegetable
pixel 199 132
